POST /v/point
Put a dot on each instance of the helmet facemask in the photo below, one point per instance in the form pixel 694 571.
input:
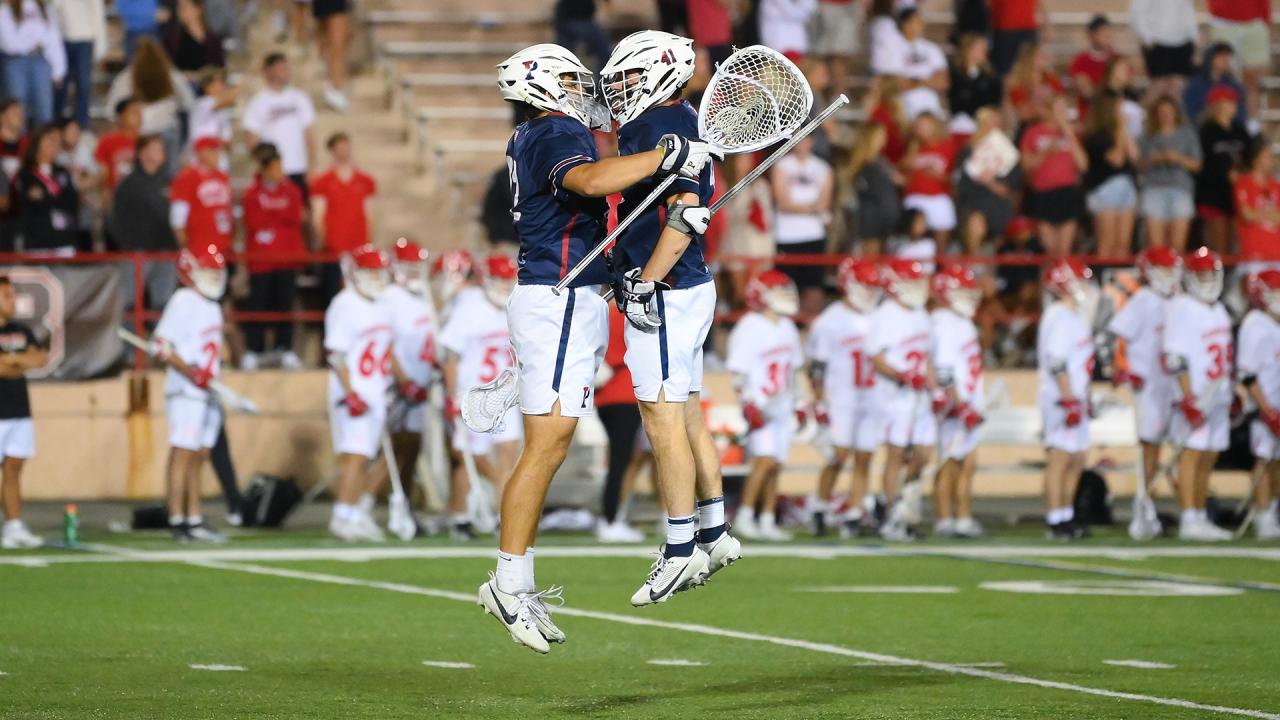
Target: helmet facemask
pixel 964 301
pixel 911 292
pixel 412 276
pixel 1205 286
pixel 1163 280
pixel 370 282
pixel 580 100
pixel 210 282
pixel 783 300
pixel 862 297
pixel 498 290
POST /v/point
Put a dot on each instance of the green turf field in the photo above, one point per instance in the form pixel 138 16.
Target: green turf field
pixel 326 631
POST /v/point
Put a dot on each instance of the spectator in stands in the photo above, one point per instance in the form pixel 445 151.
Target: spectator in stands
pixel 1109 180
pixel 1053 161
pixel 1015 23
pixel 1168 31
pixel 83 24
pixel 988 174
pixel 201 213
pixel 75 153
pixel 921 65
pixel 912 239
pixel 1018 291
pixel 116 147
pixel 282 115
pixel 883 36
pixel 835 38
pixel 1245 26
pixel 884 109
pixel 927 168
pixel 875 185
pixel 1170 159
pixel 333 17
pixel 273 215
pixel 711 27
pixel 46 196
pixel 1257 196
pixel 1223 142
pixel 1032 86
pixel 1090 65
pixel 1118 83
pixel 1215 71
pixel 163 91
pixel 13 136
pixel 576 26
pixel 342 202
pixel 973 85
pixel 211 114
pixel 973 17
pixel 189 42
pixel 34 57
pixel 673 16
pixel 141 19
pixel 802 192
pixel 784 26
pixel 139 222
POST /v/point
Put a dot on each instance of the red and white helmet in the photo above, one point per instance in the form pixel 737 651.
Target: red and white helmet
pixel 499 278
pixel 452 270
pixel 1263 289
pixel 1203 276
pixel 367 270
pixel 1161 269
pixel 905 281
pixel 859 279
pixel 1066 278
pixel 773 290
pixel 956 288
pixel 204 269
pixel 409 269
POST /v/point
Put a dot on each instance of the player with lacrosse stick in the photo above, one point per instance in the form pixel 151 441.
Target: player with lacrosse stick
pixel 1260 377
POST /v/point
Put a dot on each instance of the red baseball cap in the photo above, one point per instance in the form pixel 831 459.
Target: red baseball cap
pixel 1019 225
pixel 208 142
pixel 1223 93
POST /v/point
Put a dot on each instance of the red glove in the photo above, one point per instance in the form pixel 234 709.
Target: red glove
pixel 413 392
pixel 1271 418
pixel 451 410
pixel 821 414
pixel 969 416
pixel 802 416
pixel 1194 417
pixel 942 404
pixel 754 416
pixel 913 380
pixel 1124 377
pixel 200 377
pixel 1074 411
pixel 356 406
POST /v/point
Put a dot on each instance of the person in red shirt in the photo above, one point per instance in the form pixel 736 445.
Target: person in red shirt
pixel 1032 85
pixel 620 415
pixel 1257 194
pixel 116 148
pixel 1015 23
pixel 200 200
pixel 13 145
pixel 927 168
pixel 1245 25
pixel 273 216
pixel 342 200
pixel 1090 66
pixel 885 109
pixel 1053 161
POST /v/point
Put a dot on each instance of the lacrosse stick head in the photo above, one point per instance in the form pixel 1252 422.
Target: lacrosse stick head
pixel 1203 277
pixel 484 406
pixel 755 98
pixel 646 68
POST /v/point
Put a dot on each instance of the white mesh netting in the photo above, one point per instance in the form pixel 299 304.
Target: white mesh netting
pixel 755 98
pixel 484 406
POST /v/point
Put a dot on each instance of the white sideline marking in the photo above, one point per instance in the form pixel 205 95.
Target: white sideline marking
pixel 881 589
pixel 675 662
pixel 981 665
pixel 1119 588
pixel 1140 664
pixel 448 665
pixel 825 648
pixel 219 668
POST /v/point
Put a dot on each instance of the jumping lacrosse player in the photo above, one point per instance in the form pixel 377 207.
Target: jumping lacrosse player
pixel 1064 357
pixel 189 342
pixel 19 352
pixel 558 184
pixel 1260 376
pixel 669 299
pixel 358 332
pixel 764 357
pixel 843 379
pixel 476 347
pixel 901 346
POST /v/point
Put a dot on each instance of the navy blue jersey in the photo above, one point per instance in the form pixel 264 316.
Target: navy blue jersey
pixel 639 240
pixel 556 227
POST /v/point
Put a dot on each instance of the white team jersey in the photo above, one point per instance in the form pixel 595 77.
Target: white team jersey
pixel 1064 338
pixel 1260 352
pixel 476 332
pixel 957 354
pixel 902 335
pixel 414 333
pixel 838 339
pixel 465 295
pixel 360 329
pixel 1141 323
pixel 192 324
pixel 766 354
pixel 1201 335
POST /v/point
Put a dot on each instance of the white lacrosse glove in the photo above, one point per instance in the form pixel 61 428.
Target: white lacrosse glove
pixel 687 157
pixel 690 219
pixel 636 301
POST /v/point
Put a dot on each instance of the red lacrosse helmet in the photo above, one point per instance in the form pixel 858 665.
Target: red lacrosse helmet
pixel 1263 289
pixel 905 281
pixel 452 270
pixel 409 269
pixel 957 289
pixel 859 278
pixel 367 270
pixel 499 278
pixel 1203 276
pixel 1161 268
pixel 204 269
pixel 1066 278
pixel 773 290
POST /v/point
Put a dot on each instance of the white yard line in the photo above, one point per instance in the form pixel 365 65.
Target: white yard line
pixel 219 668
pixel 1140 664
pixel 881 589
pixel 816 647
pixel 676 662
pixel 448 665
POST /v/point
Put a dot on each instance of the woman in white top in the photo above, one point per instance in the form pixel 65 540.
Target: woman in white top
pixel 746 244
pixel 1168 31
pixel 802 192
pixel 84 35
pixel 163 91
pixel 784 25
pixel 34 58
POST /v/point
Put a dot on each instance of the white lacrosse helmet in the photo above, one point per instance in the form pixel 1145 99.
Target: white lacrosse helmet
pixel 1203 277
pixel 500 273
pixel 367 270
pixel 773 290
pixel 410 269
pixel 551 78
pixel 646 68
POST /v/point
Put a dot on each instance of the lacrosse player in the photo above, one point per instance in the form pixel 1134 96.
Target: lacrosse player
pixel 669 299
pixel 476 348
pixel 358 333
pixel 1064 358
pixel 957 362
pixel 901 346
pixel 843 379
pixel 1198 351
pixel 764 357
pixel 189 341
pixel 558 187
pixel 1260 376
pixel 453 273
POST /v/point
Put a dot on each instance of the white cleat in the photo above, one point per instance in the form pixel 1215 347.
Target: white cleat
pixel 344 530
pixel 669 575
pixel 542 612
pixel 945 528
pixel 721 553
pixel 368 530
pixel 1202 531
pixel 746 526
pixel 1266 526
pixel 967 527
pixel 204 533
pixel 617 532
pixel 516 613
pixel 18 537
pixel 773 533
pixel 290 360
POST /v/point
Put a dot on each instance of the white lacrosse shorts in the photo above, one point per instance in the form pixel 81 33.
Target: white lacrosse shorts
pixel 1057 434
pixel 669 360
pixel 859 428
pixel 193 422
pixel 773 440
pixel 908 418
pixel 1213 436
pixel 955 441
pixel 17 438
pixel 356 435
pixel 413 420
pixel 559 343
pixel 1155 409
pixel 1262 442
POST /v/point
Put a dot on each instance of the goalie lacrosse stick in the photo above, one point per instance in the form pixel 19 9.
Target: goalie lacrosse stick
pixel 399 517
pixel 225 395
pixel 756 98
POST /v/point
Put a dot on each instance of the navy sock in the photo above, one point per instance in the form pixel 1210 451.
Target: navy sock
pixel 710 535
pixel 684 549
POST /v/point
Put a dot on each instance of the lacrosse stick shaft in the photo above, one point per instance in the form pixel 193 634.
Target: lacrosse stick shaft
pixel 393 468
pixel 221 391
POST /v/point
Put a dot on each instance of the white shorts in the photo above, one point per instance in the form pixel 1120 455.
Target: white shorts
pixel 1155 410
pixel 411 420
pixel 512 431
pixel 1262 442
pixel 670 360
pixel 17 438
pixel 955 441
pixel 560 343
pixel 356 435
pixel 773 440
pixel 907 418
pixel 193 423
pixel 1057 434
pixel 857 428
pixel 1213 436
pixel 939 211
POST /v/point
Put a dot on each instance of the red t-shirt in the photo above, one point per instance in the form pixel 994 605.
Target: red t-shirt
pixel 1058 169
pixel 207 193
pixel 1257 239
pixel 345 225
pixel 1092 65
pixel 710 23
pixel 895 143
pixel 1240 10
pixel 273 224
pixel 1013 14
pixel 930 171
pixel 116 153
pixel 1025 99
pixel 618 391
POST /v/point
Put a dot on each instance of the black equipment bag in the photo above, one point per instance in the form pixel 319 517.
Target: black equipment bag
pixel 269 500
pixel 1093 499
